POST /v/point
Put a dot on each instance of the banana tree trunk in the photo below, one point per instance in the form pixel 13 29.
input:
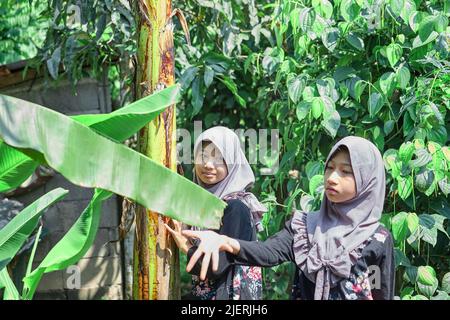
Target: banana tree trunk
pixel 156 261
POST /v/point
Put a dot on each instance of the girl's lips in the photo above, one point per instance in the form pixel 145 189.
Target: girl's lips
pixel 209 175
pixel 331 190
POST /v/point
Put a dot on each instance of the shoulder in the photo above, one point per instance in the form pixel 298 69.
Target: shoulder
pixel 382 236
pixel 236 208
pixel 380 244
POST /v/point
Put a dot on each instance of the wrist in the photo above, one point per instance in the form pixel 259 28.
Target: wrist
pixel 234 244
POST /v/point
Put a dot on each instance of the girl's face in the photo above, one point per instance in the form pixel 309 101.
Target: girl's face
pixel 210 167
pixel 339 180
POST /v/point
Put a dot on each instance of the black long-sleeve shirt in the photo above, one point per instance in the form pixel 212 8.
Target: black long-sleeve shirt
pixel 372 276
pixel 237 224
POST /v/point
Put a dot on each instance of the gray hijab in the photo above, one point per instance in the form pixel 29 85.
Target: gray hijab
pixel 240 176
pixel 328 242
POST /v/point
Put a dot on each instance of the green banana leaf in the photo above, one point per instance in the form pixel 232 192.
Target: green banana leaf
pixel 17 231
pixel 124 122
pixel 72 247
pixel 90 160
pixel 16 167
pixel 11 292
pixel 33 251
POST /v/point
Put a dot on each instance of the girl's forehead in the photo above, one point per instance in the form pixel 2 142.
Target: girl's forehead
pixel 342 157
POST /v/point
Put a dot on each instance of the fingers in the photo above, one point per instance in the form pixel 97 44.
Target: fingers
pixel 177 225
pixel 227 247
pixel 169 228
pixel 197 254
pixel 191 234
pixel 215 260
pixel 205 265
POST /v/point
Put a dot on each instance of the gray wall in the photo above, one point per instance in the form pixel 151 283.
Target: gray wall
pixel 101 267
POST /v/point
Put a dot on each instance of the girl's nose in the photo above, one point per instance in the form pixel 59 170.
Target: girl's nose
pixel 333 178
pixel 209 164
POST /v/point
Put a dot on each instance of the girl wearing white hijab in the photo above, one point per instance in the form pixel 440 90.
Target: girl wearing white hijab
pixel 341 251
pixel 222 169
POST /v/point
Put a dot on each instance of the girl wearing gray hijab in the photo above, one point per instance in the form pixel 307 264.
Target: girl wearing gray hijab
pixel 342 252
pixel 222 169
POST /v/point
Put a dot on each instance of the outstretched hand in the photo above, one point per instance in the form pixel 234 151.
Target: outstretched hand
pixel 181 241
pixel 211 243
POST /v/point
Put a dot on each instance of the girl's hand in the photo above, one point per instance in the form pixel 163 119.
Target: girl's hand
pixel 210 245
pixel 181 241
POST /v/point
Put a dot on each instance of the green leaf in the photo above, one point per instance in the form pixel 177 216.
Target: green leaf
pixel 401 259
pixel 17 231
pixel 330 38
pixel 388 127
pixel 404 187
pixel 422 158
pixel 323 7
pixel 396 6
pixel 313 168
pixel 376 101
pixel 441 295
pixel 53 63
pixel 406 151
pixel 124 122
pixel 349 10
pixel 316 185
pixel 11 292
pixel 387 83
pixel 197 96
pixel 73 246
pixel 438 134
pixel 16 167
pixel 415 19
pixel 208 76
pixel 390 157
pixel 33 251
pixel 355 41
pixel 403 76
pixel 444 186
pixel 307 17
pixel 400 226
pixel 231 85
pixel 295 85
pixel 294 16
pixel 187 77
pixel 427 275
pixel 428 228
pixel 419 42
pixel 446 282
pixel 91 160
pixel 303 109
pixel 408 9
pixel 317 107
pixel 412 221
pixel 331 123
pixel 424 179
pixel 356 87
pixel 440 23
pixel 394 52
pixel 327 90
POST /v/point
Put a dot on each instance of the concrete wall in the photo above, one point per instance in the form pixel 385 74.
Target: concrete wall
pixel 101 267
